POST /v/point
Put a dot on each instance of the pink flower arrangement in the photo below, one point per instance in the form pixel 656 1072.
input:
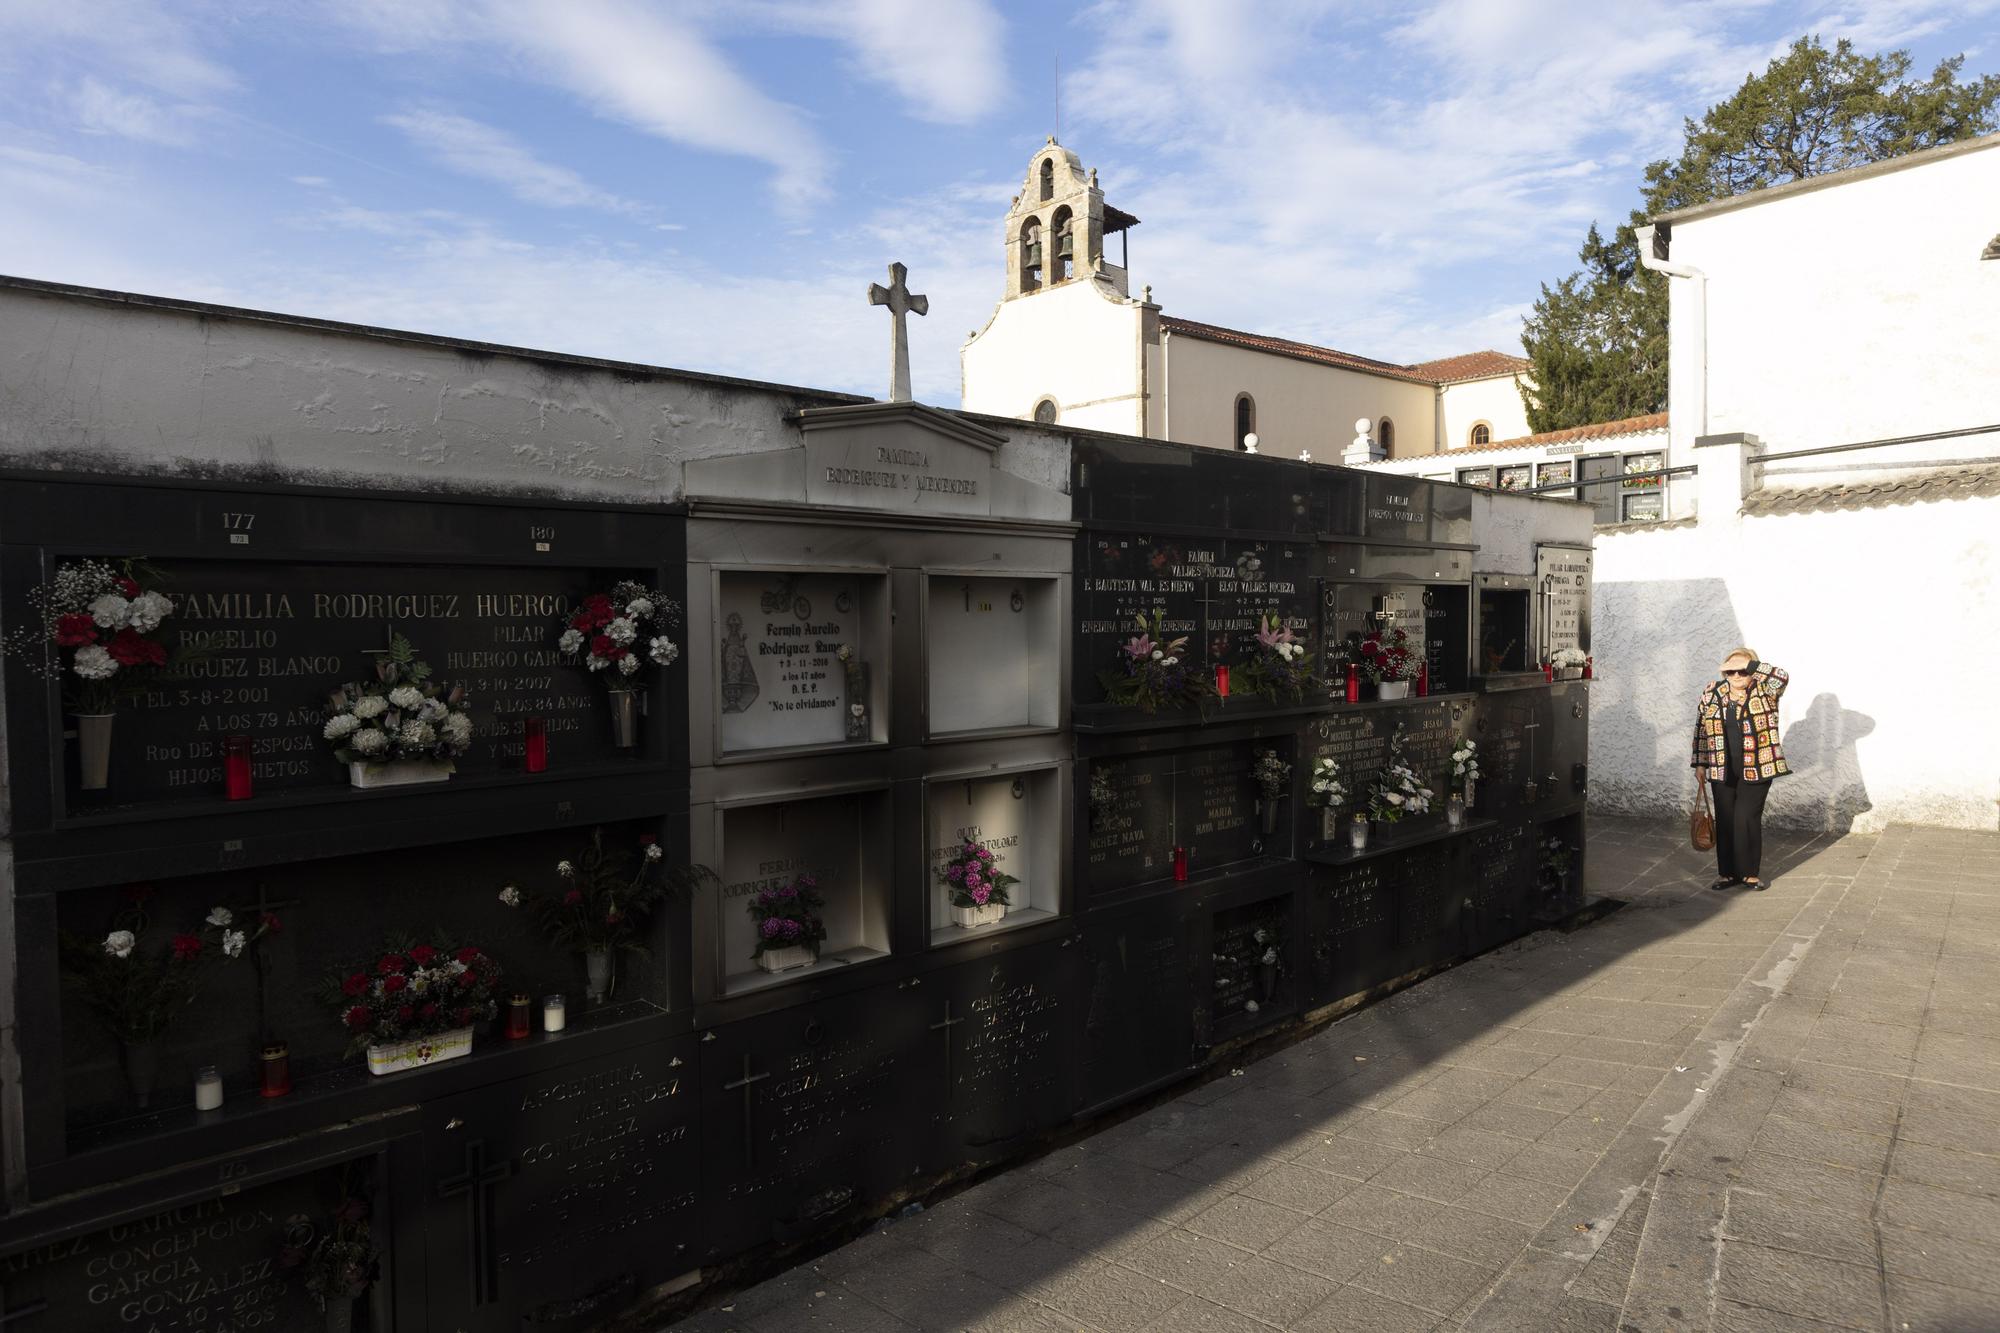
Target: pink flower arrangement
pixel 973 880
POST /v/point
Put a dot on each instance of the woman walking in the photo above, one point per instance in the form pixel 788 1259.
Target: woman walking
pixel 1736 752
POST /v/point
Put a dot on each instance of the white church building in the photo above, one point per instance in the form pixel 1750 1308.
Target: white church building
pixel 1070 343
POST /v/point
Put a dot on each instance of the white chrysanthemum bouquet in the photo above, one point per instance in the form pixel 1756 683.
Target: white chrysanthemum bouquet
pixel 621 632
pixel 1398 791
pixel 1326 788
pixel 401 714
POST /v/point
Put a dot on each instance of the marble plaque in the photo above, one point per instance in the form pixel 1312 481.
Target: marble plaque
pixel 1131 834
pixel 991 653
pixel 781 682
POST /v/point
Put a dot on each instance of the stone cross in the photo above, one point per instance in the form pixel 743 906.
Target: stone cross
pixel 898 297
pixel 476 1184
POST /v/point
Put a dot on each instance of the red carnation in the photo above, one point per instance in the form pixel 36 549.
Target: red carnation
pixel 422 955
pixel 75 631
pixel 392 985
pixel 355 984
pixel 405 1014
pixel 617 653
pixel 187 948
pixel 129 586
pixel 128 647
pixel 601 645
pixel 358 1017
pixel 429 1010
pixel 573 897
pixel 647 840
pixel 391 962
pixel 468 954
pixel 468 979
pixel 582 622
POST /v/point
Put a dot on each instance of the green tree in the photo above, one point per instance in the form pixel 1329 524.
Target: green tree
pixel 1598 338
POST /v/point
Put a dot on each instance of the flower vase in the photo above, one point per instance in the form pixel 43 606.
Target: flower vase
pixel 1393 689
pixel 968 918
pixel 1470 785
pixel 340 1314
pixel 1267 980
pixel 787 958
pixel 1329 824
pixel 1569 673
pixel 597 975
pixel 1267 815
pixel 142 1066
pixel 93 749
pixel 625 718
pixel 415 1052
pixel 1357 835
pixel 399 772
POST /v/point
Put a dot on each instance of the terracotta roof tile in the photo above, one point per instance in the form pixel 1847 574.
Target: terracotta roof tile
pixel 1601 430
pixel 1472 366
pixel 1958 483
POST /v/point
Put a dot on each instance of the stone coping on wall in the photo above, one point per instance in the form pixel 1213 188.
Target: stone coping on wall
pixel 1959 483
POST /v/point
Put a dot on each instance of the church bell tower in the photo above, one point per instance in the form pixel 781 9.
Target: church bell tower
pixel 1057 227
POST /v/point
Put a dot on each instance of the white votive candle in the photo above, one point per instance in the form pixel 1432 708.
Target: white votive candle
pixel 208 1089
pixel 555 1014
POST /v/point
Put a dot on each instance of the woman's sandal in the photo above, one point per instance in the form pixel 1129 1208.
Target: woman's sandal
pixel 1756 884
pixel 1725 884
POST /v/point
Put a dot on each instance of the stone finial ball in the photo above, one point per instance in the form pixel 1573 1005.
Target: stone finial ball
pixel 1362 425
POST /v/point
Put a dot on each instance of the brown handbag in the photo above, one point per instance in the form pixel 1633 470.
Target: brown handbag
pixel 1701 822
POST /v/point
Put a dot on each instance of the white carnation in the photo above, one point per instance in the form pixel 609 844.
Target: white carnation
pixel 599 663
pixel 628 665
pixel 220 916
pixel 111 611
pixel 406 696
pixel 119 943
pixel 571 641
pixel 416 735
pixel 148 610
pixel 371 742
pixel 345 724
pixel 663 650
pixel 510 896
pixel 432 709
pixel 639 607
pixel 457 724
pixel 370 706
pixel 232 942
pixel 93 663
pixel 565 869
pixel 653 852
pixel 622 630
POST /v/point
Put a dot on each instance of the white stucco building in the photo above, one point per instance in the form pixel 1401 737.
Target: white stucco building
pixel 1069 343
pixel 1635 450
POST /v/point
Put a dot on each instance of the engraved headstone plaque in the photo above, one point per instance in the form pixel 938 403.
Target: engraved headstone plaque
pixel 1139 1028
pixel 1127 576
pixel 781 680
pixel 1003 1048
pixel 1563 577
pixel 1131 823
pixel 1215 805
pixel 1352 917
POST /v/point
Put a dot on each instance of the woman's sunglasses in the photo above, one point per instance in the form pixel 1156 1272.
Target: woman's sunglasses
pixel 1736 671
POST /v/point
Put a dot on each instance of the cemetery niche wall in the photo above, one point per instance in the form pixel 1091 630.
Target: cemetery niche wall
pixel 981 864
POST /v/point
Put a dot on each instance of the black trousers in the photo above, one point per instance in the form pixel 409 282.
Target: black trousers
pixel 1739 828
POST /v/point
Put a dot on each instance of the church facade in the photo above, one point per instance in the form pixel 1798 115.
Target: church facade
pixel 1069 343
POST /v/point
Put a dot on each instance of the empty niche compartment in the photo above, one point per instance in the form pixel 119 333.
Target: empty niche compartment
pixel 1017 819
pixel 1504 629
pixel 800 659
pixel 993 652
pixel 843 843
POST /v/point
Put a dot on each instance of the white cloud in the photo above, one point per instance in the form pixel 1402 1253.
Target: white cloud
pixel 102 109
pixel 945 58
pixel 141 40
pixel 311 182
pixel 485 153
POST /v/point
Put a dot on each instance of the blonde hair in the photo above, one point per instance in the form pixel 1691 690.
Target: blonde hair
pixel 1747 654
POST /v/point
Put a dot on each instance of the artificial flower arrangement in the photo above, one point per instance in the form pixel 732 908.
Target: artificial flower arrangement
pixel 137 992
pixel 340 1263
pixel 620 632
pixel 789 927
pixel 1272 773
pixel 416 1004
pixel 602 901
pixel 1103 791
pixel 977 887
pixel 1153 671
pixel 1567 661
pixel 1555 857
pixel 100 622
pixel 1280 669
pixel 1324 788
pixel 1465 762
pixel 400 715
pixel 1398 791
pixel 1388 655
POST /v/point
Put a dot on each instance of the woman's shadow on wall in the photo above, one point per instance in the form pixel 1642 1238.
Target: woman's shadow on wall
pixel 1826 789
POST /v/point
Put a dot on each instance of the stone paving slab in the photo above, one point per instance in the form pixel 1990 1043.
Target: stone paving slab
pixel 1709 1111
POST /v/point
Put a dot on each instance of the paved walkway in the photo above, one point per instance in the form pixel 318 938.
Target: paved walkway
pixel 1769 1112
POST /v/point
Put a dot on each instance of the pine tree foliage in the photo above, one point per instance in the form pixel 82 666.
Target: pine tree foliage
pixel 1598 338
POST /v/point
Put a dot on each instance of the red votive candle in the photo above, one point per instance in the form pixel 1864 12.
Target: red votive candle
pixel 275 1076
pixel 1222 682
pixel 1180 863
pixel 1586 668
pixel 236 767
pixel 518 1022
pixel 1423 679
pixel 1548 671
pixel 1353 683
pixel 535 736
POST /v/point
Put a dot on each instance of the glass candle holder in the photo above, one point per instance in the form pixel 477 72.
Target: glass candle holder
pixel 1222 682
pixel 1423 679
pixel 1586 668
pixel 1549 671
pixel 518 1022
pixel 275 1070
pixel 1354 682
pixel 555 1013
pixel 1357 833
pixel 535 744
pixel 1454 810
pixel 236 782
pixel 1180 863
pixel 208 1089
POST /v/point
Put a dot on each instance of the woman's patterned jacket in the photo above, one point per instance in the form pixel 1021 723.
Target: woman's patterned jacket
pixel 1763 759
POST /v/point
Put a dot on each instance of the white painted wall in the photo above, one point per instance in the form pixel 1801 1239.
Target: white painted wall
pixel 1496 401
pixel 1300 404
pixel 1076 342
pixel 1888 620
pixel 1854 311
pixel 139 388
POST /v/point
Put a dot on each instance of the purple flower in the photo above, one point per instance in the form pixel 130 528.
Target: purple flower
pixel 954 872
pixel 1139 647
pixel 983 854
pixel 981 894
pixel 788 892
pixel 790 929
pixel 773 927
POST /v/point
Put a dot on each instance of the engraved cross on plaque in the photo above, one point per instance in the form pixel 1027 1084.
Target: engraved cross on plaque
pixel 748 1083
pixel 476 1183
pixel 901 301
pixel 945 1026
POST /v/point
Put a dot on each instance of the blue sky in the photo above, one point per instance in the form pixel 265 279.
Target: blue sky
pixel 713 185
